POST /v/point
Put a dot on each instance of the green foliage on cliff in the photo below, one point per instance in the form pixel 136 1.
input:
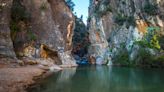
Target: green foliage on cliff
pixel 104 12
pixel 153 43
pixel 120 20
pixel 131 20
pixel 14 27
pixel 159 59
pixel 151 9
pixel 161 42
pixel 122 58
pixel 144 57
pixel 89 19
pixel 150 40
pixel 1 7
pixel 20 21
pixel 43 6
pixel 70 4
pixel 149 52
pixel 108 8
pixel 80 38
pixel 101 12
pixel 18 13
pixel 32 36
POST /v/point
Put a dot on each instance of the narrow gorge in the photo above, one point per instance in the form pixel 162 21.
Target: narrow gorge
pixel 42 36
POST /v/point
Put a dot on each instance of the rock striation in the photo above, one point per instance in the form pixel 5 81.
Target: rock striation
pixel 115 26
pixel 37 30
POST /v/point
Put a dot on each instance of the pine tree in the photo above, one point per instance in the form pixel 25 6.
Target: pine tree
pixel 70 4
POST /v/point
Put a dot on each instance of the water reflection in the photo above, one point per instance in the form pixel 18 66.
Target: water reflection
pixel 104 79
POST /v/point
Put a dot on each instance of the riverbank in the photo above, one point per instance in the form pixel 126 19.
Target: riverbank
pixel 17 75
pixel 16 78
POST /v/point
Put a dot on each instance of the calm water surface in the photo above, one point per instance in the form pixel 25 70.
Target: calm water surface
pixel 103 79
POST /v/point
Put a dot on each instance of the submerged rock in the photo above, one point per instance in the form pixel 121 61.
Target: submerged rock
pixel 55 67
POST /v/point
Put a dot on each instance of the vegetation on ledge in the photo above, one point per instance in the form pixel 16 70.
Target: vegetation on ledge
pixel 151 9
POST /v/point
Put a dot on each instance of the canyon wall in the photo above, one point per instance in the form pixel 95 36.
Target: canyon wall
pixel 37 30
pixel 118 29
pixel 6 44
pixel 119 32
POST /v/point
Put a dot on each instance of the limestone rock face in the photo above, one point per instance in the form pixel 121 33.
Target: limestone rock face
pixel 39 29
pixel 6 44
pixel 52 24
pixel 114 24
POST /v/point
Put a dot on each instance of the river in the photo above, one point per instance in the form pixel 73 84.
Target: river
pixel 103 79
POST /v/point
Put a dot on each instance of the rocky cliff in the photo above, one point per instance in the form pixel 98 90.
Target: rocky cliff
pixel 37 30
pixel 121 32
pixel 127 31
pixel 6 45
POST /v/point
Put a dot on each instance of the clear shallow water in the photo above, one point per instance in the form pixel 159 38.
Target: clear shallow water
pixel 103 79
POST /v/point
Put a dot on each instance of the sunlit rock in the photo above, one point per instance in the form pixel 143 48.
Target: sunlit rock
pixel 118 26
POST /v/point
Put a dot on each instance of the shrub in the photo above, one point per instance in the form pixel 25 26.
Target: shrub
pixel 89 19
pixel 70 4
pixel 106 2
pixel 131 21
pixel 101 13
pixel 154 43
pixel 123 2
pixel 143 43
pixel 120 20
pixel 151 9
pixel 161 42
pixel 122 58
pixel 43 6
pixel 144 58
pixel 1 7
pixel 18 12
pixel 31 35
pixel 159 58
pixel 14 27
pixel 108 8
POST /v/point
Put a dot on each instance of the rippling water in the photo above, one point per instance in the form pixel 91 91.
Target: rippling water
pixel 103 79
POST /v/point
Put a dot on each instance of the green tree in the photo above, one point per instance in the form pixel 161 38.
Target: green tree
pixel 81 17
pixel 154 42
pixel 70 4
pixel 151 9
